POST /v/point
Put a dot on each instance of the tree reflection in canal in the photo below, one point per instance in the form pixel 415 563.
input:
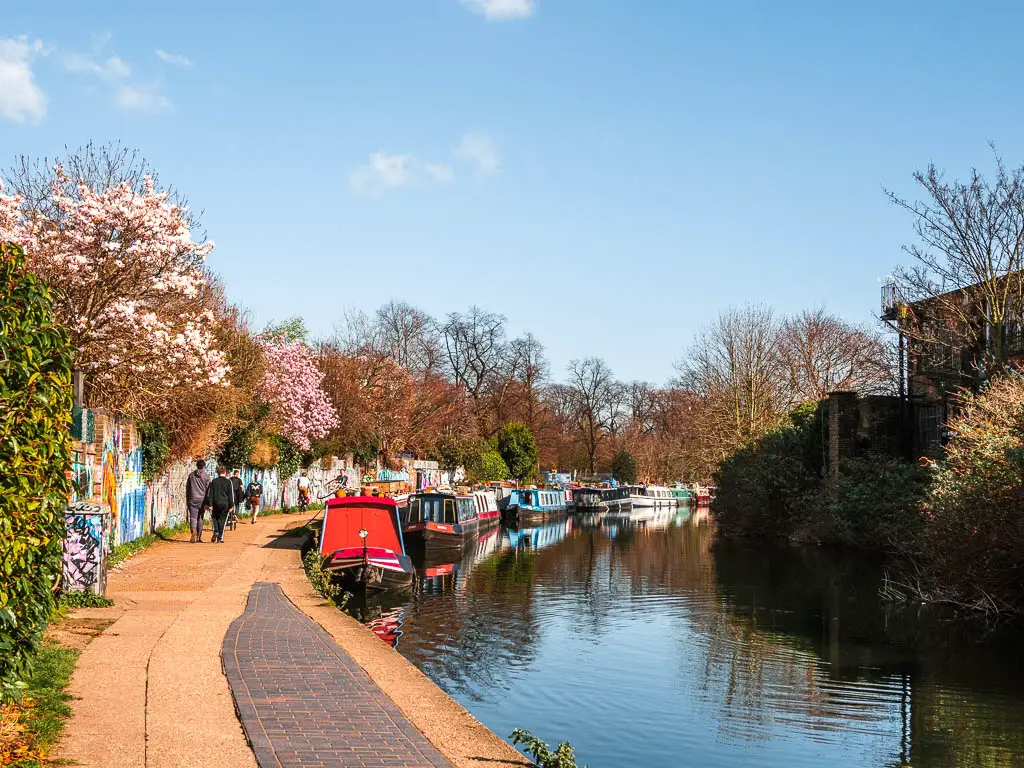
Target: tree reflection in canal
pixel 642 644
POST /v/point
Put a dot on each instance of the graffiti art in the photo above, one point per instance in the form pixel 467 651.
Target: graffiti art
pixel 83 548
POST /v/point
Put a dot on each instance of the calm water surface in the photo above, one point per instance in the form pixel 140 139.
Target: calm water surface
pixel 648 646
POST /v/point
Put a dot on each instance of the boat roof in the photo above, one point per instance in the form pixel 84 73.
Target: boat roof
pixel 354 501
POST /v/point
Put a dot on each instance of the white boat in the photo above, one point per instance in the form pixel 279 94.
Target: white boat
pixel 650 497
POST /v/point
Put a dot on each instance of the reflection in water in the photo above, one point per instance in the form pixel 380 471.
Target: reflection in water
pixel 643 643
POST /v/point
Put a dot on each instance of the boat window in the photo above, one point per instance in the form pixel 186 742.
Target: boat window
pixel 414 513
pixel 449 512
pixel 467 509
pixel 431 510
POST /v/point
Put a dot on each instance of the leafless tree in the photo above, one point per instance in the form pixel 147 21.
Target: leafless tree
pixel 965 287
pixel 735 367
pixel 822 353
pixel 597 399
pixel 408 336
pixel 474 345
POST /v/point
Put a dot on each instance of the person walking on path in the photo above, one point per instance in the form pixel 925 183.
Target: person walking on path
pixel 220 498
pixel 195 496
pixel 254 494
pixel 237 487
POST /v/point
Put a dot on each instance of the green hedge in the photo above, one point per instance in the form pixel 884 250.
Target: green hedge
pixel 35 449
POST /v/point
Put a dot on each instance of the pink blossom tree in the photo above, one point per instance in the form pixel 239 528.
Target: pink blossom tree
pixel 130 281
pixel 292 386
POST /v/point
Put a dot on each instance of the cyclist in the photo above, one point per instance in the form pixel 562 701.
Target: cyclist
pixel 303 492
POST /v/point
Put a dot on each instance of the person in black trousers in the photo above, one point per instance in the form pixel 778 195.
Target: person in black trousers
pixel 220 498
pixel 237 487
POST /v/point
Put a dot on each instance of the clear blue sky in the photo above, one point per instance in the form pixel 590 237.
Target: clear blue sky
pixel 608 174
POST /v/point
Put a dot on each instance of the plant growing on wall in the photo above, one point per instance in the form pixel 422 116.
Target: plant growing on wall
pixel 35 450
pixel 156 448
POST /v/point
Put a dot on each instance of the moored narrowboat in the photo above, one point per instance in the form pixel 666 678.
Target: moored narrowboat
pixel 533 505
pixel 588 500
pixel 436 520
pixel 361 543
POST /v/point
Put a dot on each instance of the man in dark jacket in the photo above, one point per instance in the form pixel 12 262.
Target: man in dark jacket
pixel 195 494
pixel 237 487
pixel 220 498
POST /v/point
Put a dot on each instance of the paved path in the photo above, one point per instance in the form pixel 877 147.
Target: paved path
pixel 304 702
pixel 150 690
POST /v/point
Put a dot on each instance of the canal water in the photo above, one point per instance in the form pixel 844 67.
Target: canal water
pixel 653 647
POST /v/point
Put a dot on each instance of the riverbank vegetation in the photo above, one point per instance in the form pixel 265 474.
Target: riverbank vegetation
pixel 953 523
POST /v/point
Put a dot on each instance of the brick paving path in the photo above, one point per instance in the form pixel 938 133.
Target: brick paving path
pixel 304 702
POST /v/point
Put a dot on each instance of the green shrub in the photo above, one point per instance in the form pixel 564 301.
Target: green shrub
pixel 35 450
pixel 624 467
pixel 759 485
pixel 874 502
pixel 84 599
pixel 564 756
pixel 972 548
pixel 518 448
pixel 321 581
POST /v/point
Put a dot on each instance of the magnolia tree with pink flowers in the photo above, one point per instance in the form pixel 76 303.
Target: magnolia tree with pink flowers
pixel 130 281
pixel 300 409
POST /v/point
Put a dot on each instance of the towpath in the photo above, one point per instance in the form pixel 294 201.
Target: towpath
pixel 199 627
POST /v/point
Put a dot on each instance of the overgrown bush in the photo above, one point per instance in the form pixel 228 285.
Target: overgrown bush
pixel 35 450
pixel 774 488
pixel 874 502
pixel 760 485
pixel 972 550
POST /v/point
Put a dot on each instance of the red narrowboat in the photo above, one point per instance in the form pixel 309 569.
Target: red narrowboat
pixel 361 543
pixel 447 520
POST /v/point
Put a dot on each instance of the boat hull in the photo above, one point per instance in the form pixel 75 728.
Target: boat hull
pixel 371 574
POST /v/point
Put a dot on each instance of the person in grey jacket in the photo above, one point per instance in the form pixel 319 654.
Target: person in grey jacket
pixel 195 494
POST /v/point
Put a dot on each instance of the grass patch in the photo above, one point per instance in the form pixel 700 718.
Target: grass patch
pixel 83 600
pixel 30 727
pixel 280 511
pixel 122 552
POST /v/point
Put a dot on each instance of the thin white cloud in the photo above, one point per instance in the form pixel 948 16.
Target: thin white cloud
pixel 501 10
pixel 479 150
pixel 442 174
pixel 383 172
pixel 21 99
pixel 142 98
pixel 176 59
pixel 111 68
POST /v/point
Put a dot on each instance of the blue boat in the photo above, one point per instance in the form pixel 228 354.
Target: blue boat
pixel 526 506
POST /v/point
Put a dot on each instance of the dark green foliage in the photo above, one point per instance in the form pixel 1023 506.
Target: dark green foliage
pixel 624 467
pixel 760 485
pixel 35 451
pixel 874 502
pixel 242 438
pixel 156 448
pixel 289 457
pixel 773 488
pixel 490 466
pixel 518 448
pixel 563 757
pixel 452 452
